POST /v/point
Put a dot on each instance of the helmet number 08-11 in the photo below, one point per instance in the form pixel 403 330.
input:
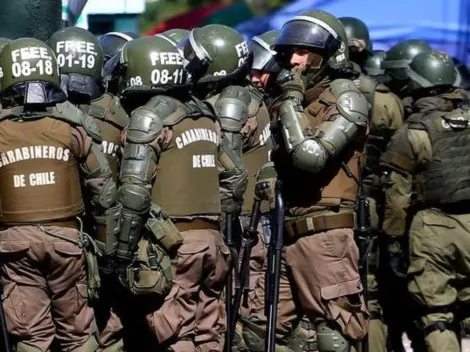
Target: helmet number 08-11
pixel 25 68
pixel 164 76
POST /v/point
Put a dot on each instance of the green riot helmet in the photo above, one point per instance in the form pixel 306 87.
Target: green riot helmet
pixel 318 31
pixel 263 55
pixel 113 42
pixel 28 68
pixel 112 75
pixel 373 63
pixel 77 51
pixel 4 42
pixel 398 57
pixel 431 69
pixel 463 74
pixel 80 59
pixel 175 36
pixel 151 64
pixel 215 53
pixel 357 33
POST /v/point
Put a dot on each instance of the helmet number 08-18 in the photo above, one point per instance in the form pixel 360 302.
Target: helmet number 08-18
pixel 25 68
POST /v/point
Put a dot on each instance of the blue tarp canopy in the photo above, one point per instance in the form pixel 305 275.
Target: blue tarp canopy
pixel 443 23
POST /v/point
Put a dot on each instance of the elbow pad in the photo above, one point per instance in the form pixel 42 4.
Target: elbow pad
pixel 331 137
pixel 232 108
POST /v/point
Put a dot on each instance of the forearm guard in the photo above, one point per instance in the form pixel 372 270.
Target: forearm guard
pixel 232 110
pixel 99 180
pixel 233 179
pixel 310 152
pixel 134 195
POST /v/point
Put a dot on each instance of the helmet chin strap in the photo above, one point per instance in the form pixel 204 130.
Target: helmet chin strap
pixel 312 77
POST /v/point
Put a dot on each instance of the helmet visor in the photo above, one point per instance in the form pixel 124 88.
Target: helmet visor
pixel 308 33
pixel 262 54
pixel 196 58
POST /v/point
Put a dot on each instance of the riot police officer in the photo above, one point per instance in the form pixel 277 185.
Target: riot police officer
pixel 256 148
pixel 80 59
pixel 81 65
pixel 48 150
pixel 387 116
pixel 113 42
pixel 431 150
pixel 395 63
pixel 319 166
pixel 217 58
pixel 169 182
pixel 359 42
pixel 399 308
pixel 372 66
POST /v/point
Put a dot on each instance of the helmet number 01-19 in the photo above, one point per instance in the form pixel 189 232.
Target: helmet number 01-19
pixel 25 68
pixel 84 60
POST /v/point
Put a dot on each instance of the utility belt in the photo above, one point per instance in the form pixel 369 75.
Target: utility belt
pixel 69 223
pixel 84 241
pixel 143 261
pixel 297 228
pixel 196 224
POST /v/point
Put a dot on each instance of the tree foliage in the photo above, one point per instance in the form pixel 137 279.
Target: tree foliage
pixel 161 10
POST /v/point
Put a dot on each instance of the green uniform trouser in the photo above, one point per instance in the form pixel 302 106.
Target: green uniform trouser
pixel 377 329
pixel 439 258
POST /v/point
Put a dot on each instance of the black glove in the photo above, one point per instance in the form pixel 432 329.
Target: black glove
pixel 397 257
pixel 294 86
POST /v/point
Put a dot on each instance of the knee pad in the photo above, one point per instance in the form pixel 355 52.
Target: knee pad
pixel 330 339
pixel 239 344
pixel 298 340
pixel 118 346
pixel 23 347
pixel 253 335
pixel 438 326
pixel 90 346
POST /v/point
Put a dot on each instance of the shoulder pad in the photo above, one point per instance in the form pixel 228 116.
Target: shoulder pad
pixel 353 106
pixel 108 108
pixel 367 86
pixel 69 112
pixel 144 126
pixel 338 86
pixel 212 100
pixel 195 108
pixel 232 107
pixel 168 109
pixel 256 101
pixel 73 115
pixel 120 116
pixel 95 111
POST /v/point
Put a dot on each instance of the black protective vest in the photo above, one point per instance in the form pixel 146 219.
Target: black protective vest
pixel 445 179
